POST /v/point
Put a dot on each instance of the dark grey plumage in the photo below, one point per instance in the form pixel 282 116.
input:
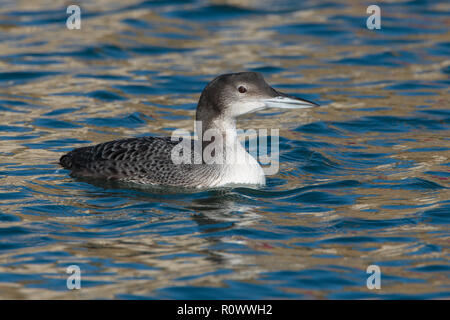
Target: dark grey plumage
pixel 145 160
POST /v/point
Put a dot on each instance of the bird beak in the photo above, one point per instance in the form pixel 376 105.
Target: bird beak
pixel 273 99
pixel 285 101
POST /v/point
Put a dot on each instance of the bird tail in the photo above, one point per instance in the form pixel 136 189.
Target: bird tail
pixel 66 161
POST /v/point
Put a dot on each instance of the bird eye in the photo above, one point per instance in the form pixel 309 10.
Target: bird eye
pixel 242 89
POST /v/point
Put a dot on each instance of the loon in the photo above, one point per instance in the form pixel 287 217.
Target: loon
pixel 149 160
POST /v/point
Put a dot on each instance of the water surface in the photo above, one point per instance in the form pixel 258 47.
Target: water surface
pixel 363 180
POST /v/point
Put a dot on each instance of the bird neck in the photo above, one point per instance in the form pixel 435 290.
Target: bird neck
pixel 220 142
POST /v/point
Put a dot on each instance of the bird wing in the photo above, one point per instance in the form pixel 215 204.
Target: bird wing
pixel 132 157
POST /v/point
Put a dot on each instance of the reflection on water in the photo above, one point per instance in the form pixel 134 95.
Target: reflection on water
pixel 363 180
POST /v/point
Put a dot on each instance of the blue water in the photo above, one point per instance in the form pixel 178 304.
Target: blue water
pixel 363 180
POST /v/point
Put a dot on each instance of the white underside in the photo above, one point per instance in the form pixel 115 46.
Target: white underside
pixel 241 174
pixel 244 169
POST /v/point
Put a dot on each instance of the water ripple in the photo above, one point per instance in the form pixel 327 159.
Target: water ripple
pixel 362 180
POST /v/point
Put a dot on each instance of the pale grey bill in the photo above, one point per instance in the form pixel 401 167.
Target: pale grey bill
pixel 288 103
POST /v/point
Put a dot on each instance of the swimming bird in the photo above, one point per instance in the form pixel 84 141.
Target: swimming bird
pixel 150 161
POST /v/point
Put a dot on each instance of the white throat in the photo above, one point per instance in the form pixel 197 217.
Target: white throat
pixel 239 167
